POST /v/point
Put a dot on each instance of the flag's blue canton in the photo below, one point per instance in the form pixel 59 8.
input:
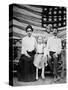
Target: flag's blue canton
pixel 54 15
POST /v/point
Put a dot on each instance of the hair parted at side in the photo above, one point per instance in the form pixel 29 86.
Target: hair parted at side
pixel 29 26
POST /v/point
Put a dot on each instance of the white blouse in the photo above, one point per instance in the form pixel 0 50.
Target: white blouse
pixel 39 48
pixel 28 44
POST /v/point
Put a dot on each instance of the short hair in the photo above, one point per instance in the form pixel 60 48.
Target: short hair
pixel 50 25
pixel 55 29
pixel 29 26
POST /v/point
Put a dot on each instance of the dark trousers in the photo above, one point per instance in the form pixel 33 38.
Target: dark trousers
pixel 53 62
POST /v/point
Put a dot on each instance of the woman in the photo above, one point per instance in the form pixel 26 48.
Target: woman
pixel 26 69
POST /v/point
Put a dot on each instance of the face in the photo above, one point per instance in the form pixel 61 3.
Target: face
pixel 48 29
pixel 39 39
pixel 29 32
pixel 55 32
pixel 51 31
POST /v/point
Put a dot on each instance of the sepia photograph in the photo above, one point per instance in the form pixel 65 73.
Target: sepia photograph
pixel 37 45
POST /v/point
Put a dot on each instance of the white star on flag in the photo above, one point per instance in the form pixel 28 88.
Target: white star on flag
pixel 59 12
pixel 54 25
pixel 55 8
pixel 55 16
pixel 55 19
pixel 64 12
pixel 45 25
pixel 44 15
pixel 64 23
pixel 45 9
pixel 45 19
pixel 55 12
pixel 64 18
pixel 49 19
pixel 59 24
pixel 49 12
pixel 59 19
pixel 50 9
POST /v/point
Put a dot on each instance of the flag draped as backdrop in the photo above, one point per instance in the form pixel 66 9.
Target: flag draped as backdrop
pixel 38 17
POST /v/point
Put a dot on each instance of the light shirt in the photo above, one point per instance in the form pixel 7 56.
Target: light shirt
pixel 39 48
pixel 46 52
pixel 28 44
pixel 54 44
pixel 47 36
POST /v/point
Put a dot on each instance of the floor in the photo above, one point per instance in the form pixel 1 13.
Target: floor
pixel 48 80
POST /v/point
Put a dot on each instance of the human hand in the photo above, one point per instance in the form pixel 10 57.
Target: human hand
pixel 27 55
pixel 49 56
pixel 55 55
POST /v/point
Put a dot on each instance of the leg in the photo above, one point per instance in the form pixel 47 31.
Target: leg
pixel 36 73
pixel 55 68
pixel 43 77
pixel 50 64
pixel 62 72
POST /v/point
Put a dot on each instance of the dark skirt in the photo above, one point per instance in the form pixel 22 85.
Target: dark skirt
pixel 26 69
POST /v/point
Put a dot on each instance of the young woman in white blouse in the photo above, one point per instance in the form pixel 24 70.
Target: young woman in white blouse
pixel 26 69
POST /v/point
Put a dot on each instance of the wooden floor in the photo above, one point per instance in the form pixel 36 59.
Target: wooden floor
pixel 48 80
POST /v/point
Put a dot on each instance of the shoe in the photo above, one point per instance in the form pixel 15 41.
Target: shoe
pixel 58 78
pixel 55 78
pixel 36 78
pixel 43 77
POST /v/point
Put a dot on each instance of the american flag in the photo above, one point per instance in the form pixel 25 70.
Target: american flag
pixel 54 15
pixel 38 16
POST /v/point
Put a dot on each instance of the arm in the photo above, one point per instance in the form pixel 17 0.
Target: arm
pixel 23 49
pixel 59 47
pixel 47 48
pixel 35 45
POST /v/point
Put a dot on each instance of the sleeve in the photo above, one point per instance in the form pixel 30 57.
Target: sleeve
pixel 35 45
pixel 48 44
pixel 46 49
pixel 23 51
pixel 59 47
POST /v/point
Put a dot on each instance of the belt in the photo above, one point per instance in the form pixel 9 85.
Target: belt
pixel 39 53
pixel 52 52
